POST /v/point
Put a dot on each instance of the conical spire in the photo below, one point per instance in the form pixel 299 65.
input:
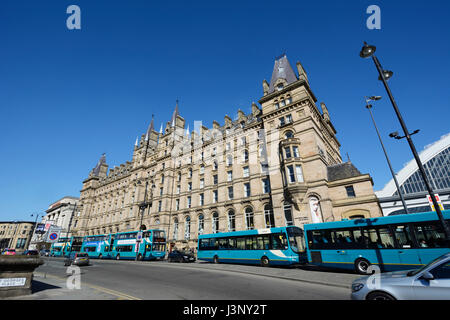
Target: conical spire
pixel 151 128
pixel 174 115
pixel 136 143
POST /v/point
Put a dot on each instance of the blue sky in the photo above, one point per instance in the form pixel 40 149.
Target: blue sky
pixel 67 96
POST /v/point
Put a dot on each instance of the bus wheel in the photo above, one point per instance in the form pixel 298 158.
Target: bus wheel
pixel 100 256
pixel 118 257
pixel 265 261
pixel 139 257
pixel 216 259
pixel 361 266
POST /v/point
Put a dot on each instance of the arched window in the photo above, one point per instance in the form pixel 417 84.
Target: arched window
pixel 268 216
pixel 249 218
pixel 288 134
pixel 175 229
pixel 201 224
pixel 231 221
pixel 187 228
pixel 288 214
pixel 215 222
pixel 179 176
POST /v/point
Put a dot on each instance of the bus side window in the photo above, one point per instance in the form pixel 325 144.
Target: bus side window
pixel 386 238
pixel 430 235
pixel 240 243
pixel 248 243
pixel 402 235
pixel 232 243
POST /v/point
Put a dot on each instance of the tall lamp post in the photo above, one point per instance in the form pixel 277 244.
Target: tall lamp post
pixel 369 107
pixel 366 52
pixel 142 206
pixel 34 227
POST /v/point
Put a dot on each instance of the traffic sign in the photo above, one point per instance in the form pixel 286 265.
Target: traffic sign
pixel 438 199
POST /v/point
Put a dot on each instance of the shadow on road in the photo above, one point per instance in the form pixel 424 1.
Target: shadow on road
pixel 37 286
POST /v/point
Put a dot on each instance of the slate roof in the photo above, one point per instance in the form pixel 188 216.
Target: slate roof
pixel 96 170
pixel 282 69
pixel 342 171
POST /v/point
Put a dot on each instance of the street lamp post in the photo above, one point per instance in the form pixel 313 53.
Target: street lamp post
pixel 369 107
pixel 142 206
pixel 34 228
pixel 366 52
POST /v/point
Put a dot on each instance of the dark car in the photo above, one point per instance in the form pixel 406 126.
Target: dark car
pixel 45 252
pixel 77 259
pixel 31 253
pixel 180 256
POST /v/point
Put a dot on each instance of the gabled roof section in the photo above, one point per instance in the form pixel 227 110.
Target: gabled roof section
pixel 282 69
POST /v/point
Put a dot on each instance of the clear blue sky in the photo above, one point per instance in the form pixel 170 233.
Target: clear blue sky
pixel 67 96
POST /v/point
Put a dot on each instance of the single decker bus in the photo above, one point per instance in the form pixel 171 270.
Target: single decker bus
pixel 399 242
pixel 265 247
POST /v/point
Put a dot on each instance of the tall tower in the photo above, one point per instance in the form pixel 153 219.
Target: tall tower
pixel 301 142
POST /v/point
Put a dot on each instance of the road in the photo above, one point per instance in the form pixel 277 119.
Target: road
pixel 174 281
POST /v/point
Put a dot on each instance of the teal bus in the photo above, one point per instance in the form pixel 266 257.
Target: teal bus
pixel 97 246
pixel 60 247
pixel 126 245
pixel 392 243
pixel 265 247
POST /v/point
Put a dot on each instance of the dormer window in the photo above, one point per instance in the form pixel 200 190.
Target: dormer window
pixel 280 86
pixel 282 103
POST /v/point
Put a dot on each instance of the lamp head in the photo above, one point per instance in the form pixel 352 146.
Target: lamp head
pixel 375 98
pixel 367 50
pixel 393 134
pixel 386 74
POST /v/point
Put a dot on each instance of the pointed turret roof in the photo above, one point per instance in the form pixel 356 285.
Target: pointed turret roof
pixel 282 69
pixel 174 115
pixel 102 160
pixel 151 128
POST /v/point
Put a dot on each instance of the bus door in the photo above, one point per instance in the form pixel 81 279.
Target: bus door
pixel 407 251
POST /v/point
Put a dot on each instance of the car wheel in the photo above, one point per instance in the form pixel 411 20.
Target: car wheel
pixel 379 296
pixel 362 265
pixel 265 261
pixel 216 259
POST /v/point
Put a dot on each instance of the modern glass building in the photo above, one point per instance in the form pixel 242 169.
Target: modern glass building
pixel 436 161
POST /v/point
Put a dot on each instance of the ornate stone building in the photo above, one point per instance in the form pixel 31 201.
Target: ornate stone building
pixel 279 165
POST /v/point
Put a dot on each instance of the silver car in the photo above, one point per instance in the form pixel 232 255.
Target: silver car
pixel 430 282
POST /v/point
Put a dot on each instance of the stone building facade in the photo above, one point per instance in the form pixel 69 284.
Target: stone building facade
pixel 15 234
pixel 279 165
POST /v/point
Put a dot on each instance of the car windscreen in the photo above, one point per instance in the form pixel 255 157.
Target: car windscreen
pixel 82 255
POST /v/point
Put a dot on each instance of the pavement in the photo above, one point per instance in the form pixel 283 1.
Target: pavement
pixel 51 287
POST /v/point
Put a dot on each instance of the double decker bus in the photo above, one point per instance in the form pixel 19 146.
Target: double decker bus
pixel 75 245
pixel 59 248
pixel 265 247
pixel 399 242
pixel 126 245
pixel 97 246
